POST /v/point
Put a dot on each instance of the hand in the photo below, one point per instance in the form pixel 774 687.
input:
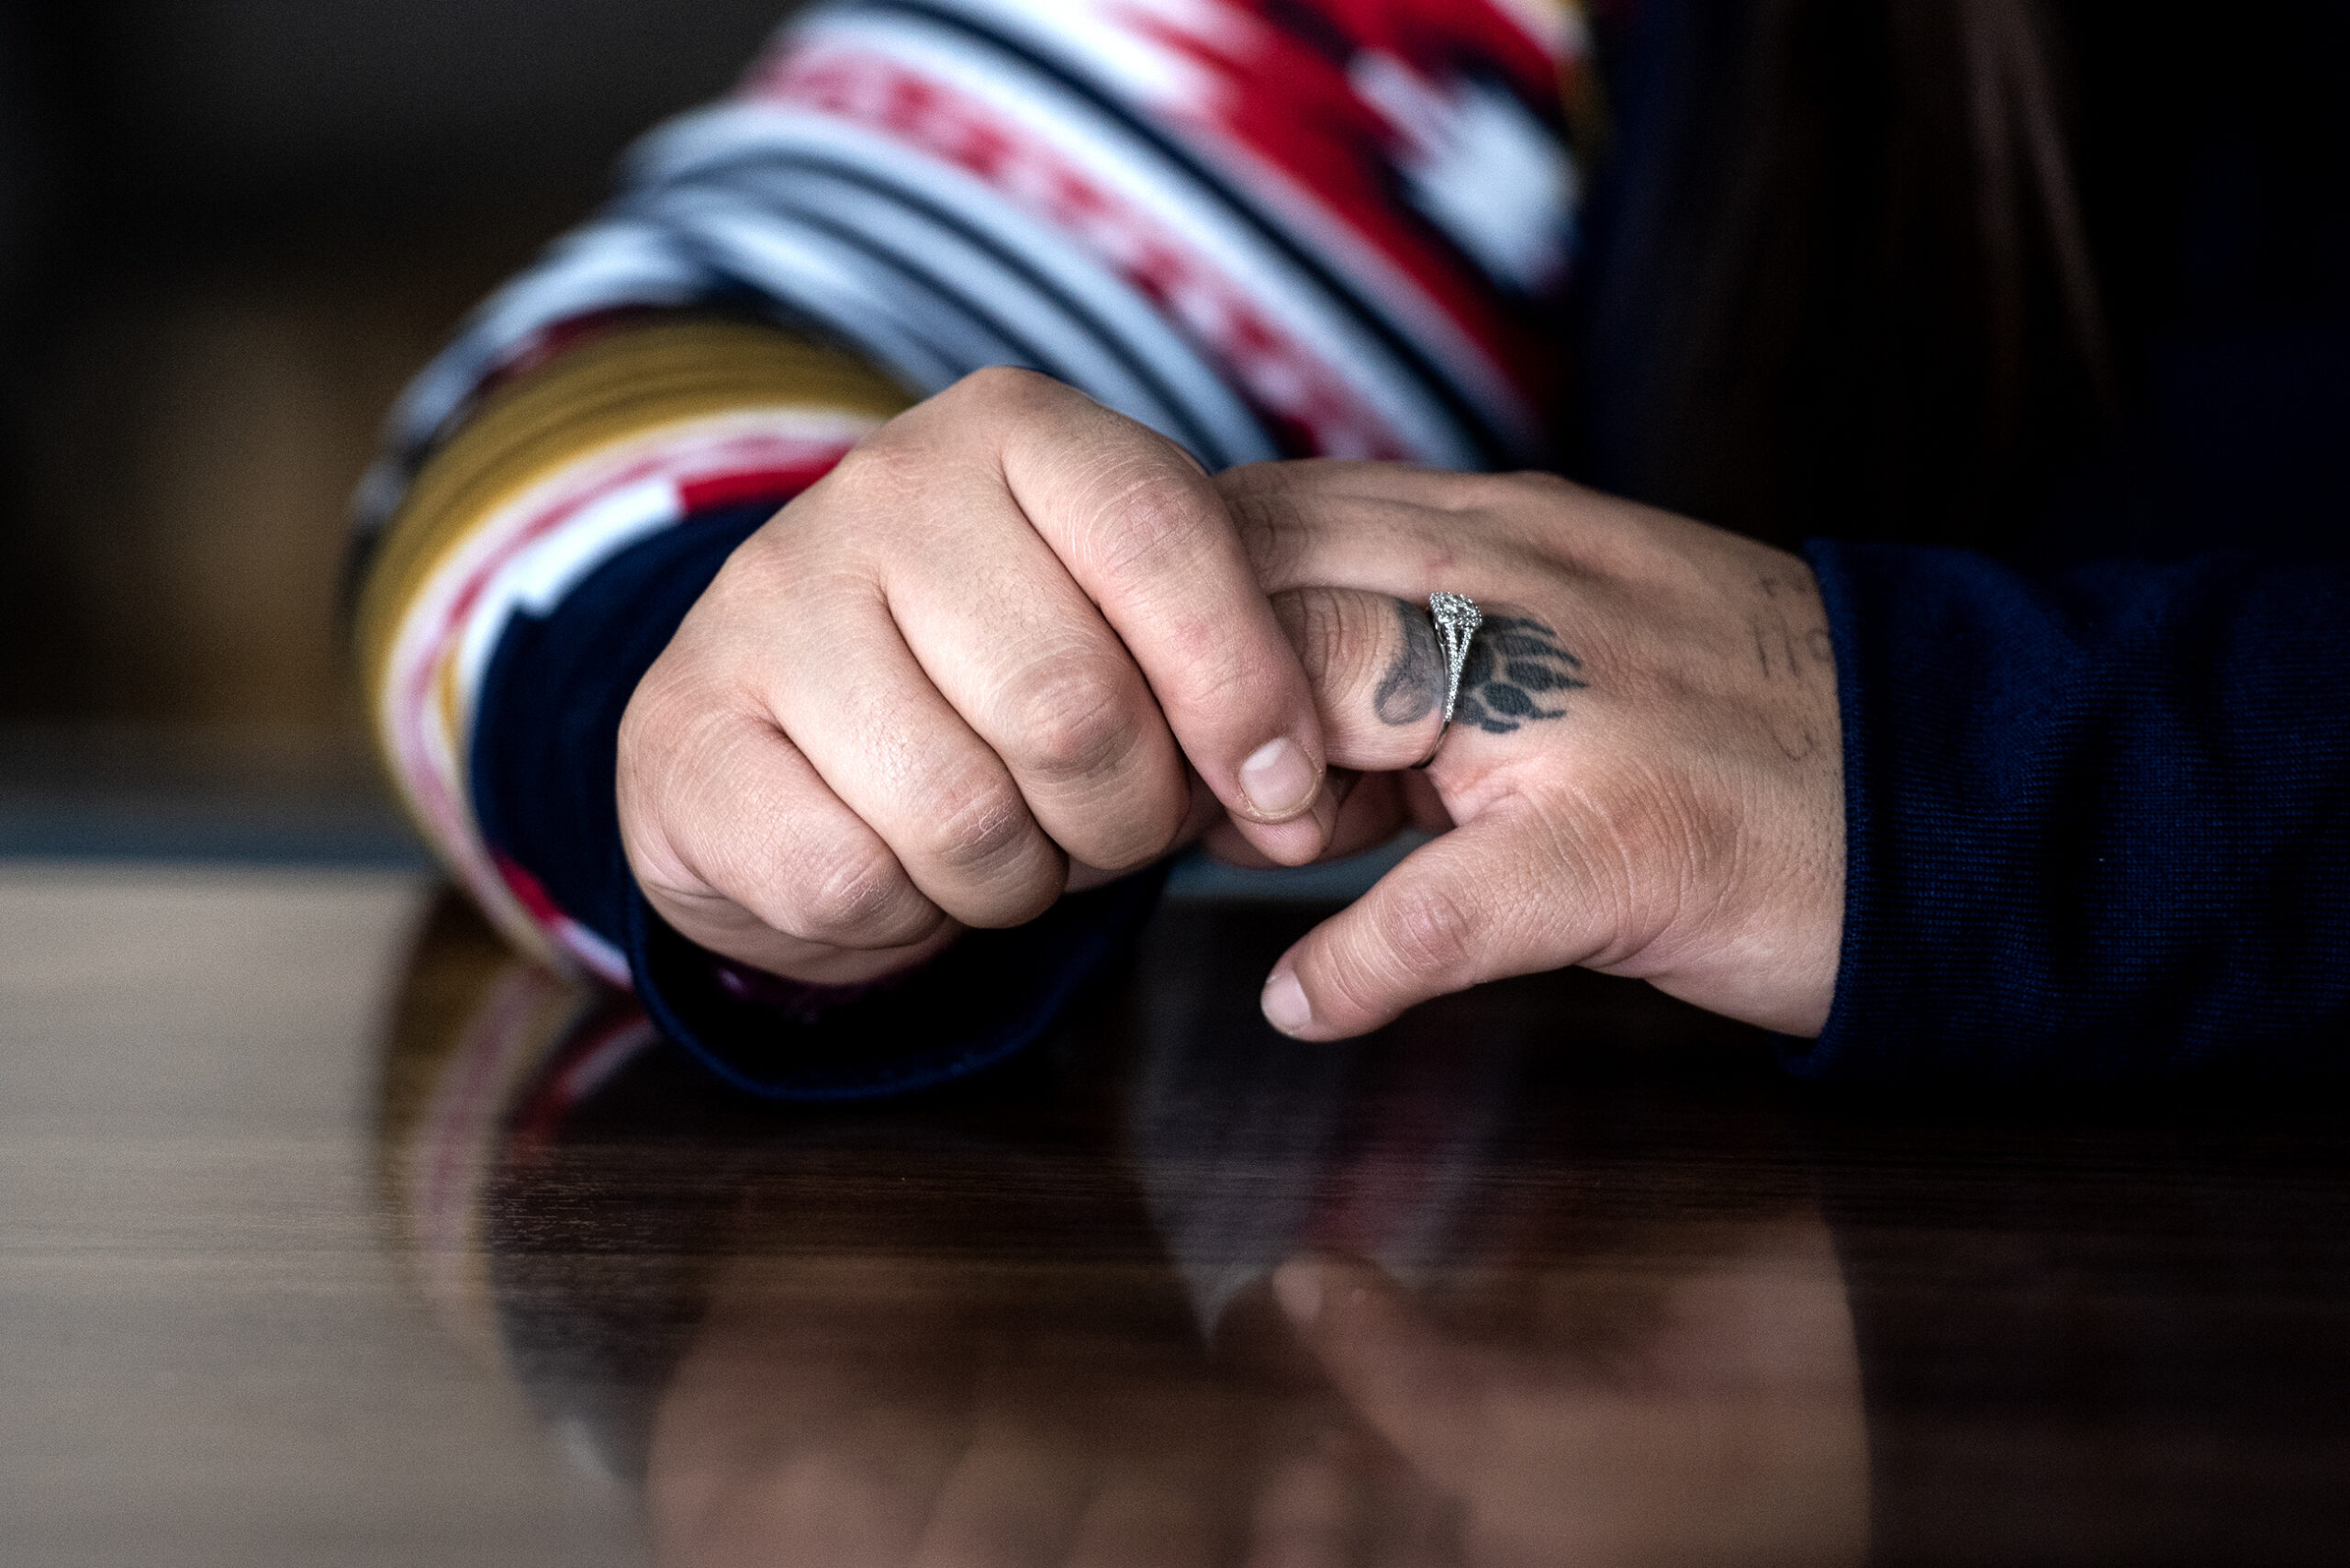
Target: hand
pixel 1699 1408
pixel 1646 769
pixel 979 650
pixel 882 1406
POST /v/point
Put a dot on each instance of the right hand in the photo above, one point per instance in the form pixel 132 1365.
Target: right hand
pixel 962 672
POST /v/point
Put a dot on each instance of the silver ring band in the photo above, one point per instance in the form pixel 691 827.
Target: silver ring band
pixel 1457 619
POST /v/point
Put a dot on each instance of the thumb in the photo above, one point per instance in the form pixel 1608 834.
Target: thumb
pixel 1417 1388
pixel 1490 899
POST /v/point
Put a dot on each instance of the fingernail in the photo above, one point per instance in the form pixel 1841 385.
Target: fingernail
pixel 1278 779
pixel 1284 1002
pixel 1297 1287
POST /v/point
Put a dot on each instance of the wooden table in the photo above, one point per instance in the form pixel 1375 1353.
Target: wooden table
pixel 330 1235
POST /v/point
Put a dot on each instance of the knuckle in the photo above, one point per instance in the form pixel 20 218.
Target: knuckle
pixel 981 823
pixel 998 385
pixel 1141 822
pixel 888 462
pixel 673 736
pixel 1648 852
pixel 1212 671
pixel 1431 934
pixel 1536 484
pixel 1076 722
pixel 848 898
pixel 1149 536
pixel 1271 530
pixel 1136 839
pixel 1311 620
pixel 1346 631
pixel 1660 822
pixel 1211 681
pixel 1150 525
pixel 1000 397
pixel 1500 494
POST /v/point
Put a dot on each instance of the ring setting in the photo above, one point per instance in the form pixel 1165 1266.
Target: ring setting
pixel 1457 619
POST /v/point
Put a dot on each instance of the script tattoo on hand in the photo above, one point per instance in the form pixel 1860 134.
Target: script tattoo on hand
pixel 1792 645
pixel 1516 664
pixel 1790 630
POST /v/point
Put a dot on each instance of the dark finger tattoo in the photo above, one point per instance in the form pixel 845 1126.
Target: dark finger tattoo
pixel 1414 683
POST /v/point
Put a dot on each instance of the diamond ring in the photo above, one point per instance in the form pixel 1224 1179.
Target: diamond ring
pixel 1457 619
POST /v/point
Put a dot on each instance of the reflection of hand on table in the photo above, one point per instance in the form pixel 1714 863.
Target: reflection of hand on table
pixel 869 1414
pixel 1640 1410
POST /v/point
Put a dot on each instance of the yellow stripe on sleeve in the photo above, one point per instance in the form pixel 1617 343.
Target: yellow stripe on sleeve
pixel 602 392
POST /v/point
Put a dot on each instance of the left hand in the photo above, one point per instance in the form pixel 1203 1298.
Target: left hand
pixel 1697 1402
pixel 1646 771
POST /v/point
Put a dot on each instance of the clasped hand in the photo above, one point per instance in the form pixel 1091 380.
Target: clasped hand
pixel 1015 644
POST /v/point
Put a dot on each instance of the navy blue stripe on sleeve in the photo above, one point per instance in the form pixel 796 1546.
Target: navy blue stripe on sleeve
pixel 546 753
pixel 546 735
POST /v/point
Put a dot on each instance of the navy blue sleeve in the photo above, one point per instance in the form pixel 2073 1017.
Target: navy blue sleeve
pixel 545 748
pixel 2099 823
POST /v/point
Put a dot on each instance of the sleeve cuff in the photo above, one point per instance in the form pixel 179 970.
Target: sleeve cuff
pixel 981 1001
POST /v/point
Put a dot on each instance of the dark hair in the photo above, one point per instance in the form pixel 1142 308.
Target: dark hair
pixel 1851 287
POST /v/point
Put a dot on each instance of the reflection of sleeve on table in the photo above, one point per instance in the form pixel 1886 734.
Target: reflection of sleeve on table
pixel 2098 1341
pixel 1255 242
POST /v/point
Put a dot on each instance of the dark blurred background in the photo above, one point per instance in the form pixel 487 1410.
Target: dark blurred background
pixel 230 229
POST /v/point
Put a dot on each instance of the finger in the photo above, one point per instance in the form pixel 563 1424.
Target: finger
pixel 1306 1516
pixel 1408 482
pixel 1018 650
pixel 860 1502
pixel 1427 1395
pixel 845 688
pixel 1424 806
pixel 1371 812
pixel 1370 526
pixel 1012 1502
pixel 745 848
pixel 1144 532
pixel 1377 674
pixel 1493 897
pixel 825 1468
pixel 1148 1521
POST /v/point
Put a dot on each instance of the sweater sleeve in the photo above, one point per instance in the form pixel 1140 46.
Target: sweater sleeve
pixel 1264 229
pixel 2099 823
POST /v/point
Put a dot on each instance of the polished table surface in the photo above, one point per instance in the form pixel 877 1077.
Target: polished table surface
pixel 329 1234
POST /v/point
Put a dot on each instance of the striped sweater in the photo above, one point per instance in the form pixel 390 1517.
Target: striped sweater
pixel 1266 228
pixel 2094 818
